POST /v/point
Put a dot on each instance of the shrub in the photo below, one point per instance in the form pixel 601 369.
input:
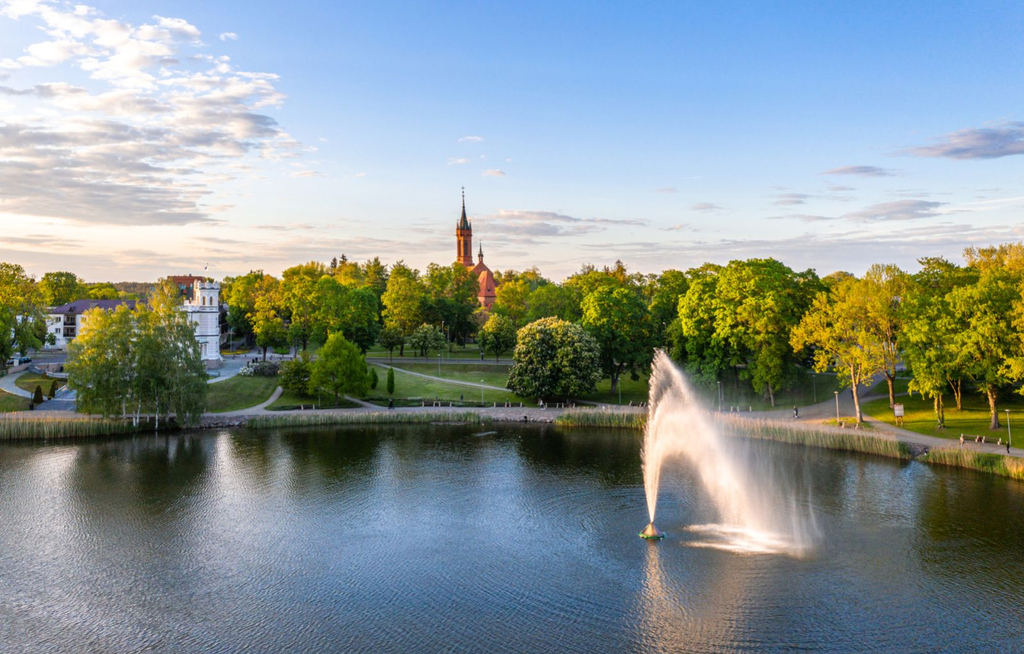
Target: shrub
pixel 391 381
pixel 295 374
pixel 53 389
pixel 37 398
pixel 374 380
pixel 260 369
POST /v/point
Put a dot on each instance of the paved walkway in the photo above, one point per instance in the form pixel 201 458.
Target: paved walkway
pixel 8 386
pixel 232 364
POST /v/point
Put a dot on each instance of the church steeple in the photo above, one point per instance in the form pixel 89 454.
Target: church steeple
pixel 464 237
pixel 480 256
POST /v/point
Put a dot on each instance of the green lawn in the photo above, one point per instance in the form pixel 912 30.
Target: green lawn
pixel 410 386
pixel 289 401
pixel 919 415
pixel 469 353
pixel 239 393
pixel 882 388
pixel 30 380
pixel 476 373
pixel 10 403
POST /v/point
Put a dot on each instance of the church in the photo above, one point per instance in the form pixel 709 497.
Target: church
pixel 464 255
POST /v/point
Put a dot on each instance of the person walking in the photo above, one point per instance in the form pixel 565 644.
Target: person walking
pixel 796 413
pixel 1007 447
pixel 391 405
pixel 961 441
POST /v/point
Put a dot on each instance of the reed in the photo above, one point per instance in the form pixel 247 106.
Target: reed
pixel 996 464
pixel 21 428
pixel 364 418
pixel 602 418
pixel 832 439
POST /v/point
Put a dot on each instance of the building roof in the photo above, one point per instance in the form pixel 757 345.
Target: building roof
pixel 81 306
pixel 464 222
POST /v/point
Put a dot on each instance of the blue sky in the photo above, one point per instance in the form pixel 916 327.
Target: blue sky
pixel 140 139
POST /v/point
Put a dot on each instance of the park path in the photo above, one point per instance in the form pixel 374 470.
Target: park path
pixel 452 381
pixel 259 409
pixel 7 385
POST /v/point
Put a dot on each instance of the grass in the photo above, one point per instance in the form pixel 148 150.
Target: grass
pixel 919 415
pixel 289 401
pixel 363 418
pixel 847 423
pixel 469 353
pixel 602 418
pixel 9 403
pixel 411 386
pixel 30 380
pixel 844 440
pixel 476 373
pixel 56 428
pixel 239 393
pixel 997 464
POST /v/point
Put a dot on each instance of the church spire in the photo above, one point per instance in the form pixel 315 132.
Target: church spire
pixel 480 256
pixel 464 223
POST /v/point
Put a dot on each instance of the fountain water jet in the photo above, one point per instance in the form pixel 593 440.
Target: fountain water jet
pixel 677 427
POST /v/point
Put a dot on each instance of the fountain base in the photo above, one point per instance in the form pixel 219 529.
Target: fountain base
pixel 651 532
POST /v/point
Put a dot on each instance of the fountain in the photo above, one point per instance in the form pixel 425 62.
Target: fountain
pixel 679 428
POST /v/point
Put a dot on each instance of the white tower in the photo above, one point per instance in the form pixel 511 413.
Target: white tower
pixel 204 312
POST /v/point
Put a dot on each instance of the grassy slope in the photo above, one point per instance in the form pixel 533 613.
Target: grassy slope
pixel 412 386
pixel 10 402
pixel 467 372
pixel 973 420
pixel 469 353
pixel 30 380
pixel 239 393
pixel 290 400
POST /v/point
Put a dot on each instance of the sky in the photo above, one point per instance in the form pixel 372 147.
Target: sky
pixel 143 139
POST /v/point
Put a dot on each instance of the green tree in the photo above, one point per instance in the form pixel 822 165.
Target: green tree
pixel 618 320
pixel 511 300
pixel 53 389
pixel 59 288
pixel 102 291
pixel 498 335
pixel 427 338
pixel 665 291
pixel 835 330
pixel 705 353
pixel 37 397
pixel 374 380
pixel 295 374
pixel 391 381
pixel 22 316
pixel 554 358
pixel 354 312
pixel 240 293
pixel 403 301
pixel 451 300
pixel 339 369
pixel 390 338
pixel 552 300
pixel 887 288
pixel 301 300
pixel 266 317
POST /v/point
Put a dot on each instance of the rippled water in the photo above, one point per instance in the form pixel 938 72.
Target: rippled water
pixel 409 539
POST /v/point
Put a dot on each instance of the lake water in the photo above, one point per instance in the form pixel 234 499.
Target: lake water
pixel 441 538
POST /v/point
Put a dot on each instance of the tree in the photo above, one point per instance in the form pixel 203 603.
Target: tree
pixel 554 358
pixel 374 380
pixel 22 318
pixel 887 288
pixel 351 311
pixel 390 338
pixel 835 329
pixel 511 300
pixel 265 318
pixel 240 293
pixel 53 389
pixel 427 338
pixel 59 288
pixel 498 335
pixel 339 369
pixel 552 300
pixel 391 381
pixel 451 300
pixel 403 301
pixel 295 374
pixel 37 397
pixel 618 320
pixel 704 351
pixel 102 291
pixel 665 292
pixel 301 300
pixel 985 342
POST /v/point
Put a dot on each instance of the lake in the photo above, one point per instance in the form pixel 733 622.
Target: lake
pixel 484 539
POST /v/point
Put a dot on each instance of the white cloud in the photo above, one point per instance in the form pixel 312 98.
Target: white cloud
pixel 228 36
pixel 979 143
pixel 705 206
pixel 453 161
pixel 493 172
pixel 471 139
pixel 862 171
pixel 149 138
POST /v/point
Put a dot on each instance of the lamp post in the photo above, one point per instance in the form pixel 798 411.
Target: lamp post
pixel 814 384
pixel 1009 434
pixel 438 364
pixel 481 393
pixel 719 397
pixel 837 406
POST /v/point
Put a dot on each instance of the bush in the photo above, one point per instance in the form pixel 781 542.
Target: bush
pixel 391 381
pixel 260 369
pixel 53 389
pixel 37 398
pixel 374 380
pixel 295 374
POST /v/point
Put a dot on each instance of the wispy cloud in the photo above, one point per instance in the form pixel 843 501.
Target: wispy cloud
pixel 790 199
pixel 535 224
pixel 897 211
pixel 861 171
pixel 228 36
pixel 493 172
pixel 148 148
pixel 453 161
pixel 978 143
pixel 471 139
pixel 705 206
pixel 682 227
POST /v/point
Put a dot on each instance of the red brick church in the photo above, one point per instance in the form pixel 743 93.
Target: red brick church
pixel 464 255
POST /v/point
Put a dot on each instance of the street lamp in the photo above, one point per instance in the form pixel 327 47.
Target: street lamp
pixel 481 392
pixel 1009 434
pixel 438 364
pixel 719 397
pixel 837 406
pixel 814 384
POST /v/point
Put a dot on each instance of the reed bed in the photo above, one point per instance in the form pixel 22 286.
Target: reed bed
pixel 602 418
pixel 996 464
pixel 364 418
pixel 842 440
pixel 60 428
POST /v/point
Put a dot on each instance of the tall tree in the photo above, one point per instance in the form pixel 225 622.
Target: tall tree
pixel 512 300
pixel 266 316
pixel 59 288
pixel 452 300
pixel 403 301
pixel 618 320
pixel 301 300
pixel 887 289
pixel 553 300
pixel 22 316
pixel 498 335
pixel 835 330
